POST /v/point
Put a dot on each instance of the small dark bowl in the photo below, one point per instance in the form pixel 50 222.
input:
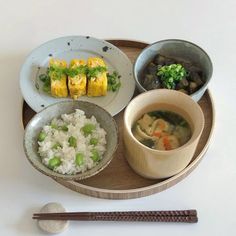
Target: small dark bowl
pixel 178 49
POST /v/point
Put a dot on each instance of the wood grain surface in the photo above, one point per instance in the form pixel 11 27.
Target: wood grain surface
pixel 118 180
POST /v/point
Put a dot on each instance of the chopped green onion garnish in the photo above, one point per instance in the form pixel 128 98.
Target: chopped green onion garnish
pixel 171 74
pixel 113 81
pixel 95 71
pixel 72 72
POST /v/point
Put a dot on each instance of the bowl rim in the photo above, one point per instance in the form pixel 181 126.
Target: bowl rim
pixel 56 175
pixel 174 40
pixel 165 152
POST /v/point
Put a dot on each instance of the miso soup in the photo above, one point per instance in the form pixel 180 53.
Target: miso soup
pixel 162 130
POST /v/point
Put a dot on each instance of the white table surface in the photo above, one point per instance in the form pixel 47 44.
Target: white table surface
pixel 210 188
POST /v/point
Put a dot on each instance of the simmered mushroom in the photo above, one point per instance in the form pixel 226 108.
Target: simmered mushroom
pixel 152 68
pixel 182 76
pixel 190 67
pixel 192 87
pixel 182 84
pixel 170 61
pixel 151 82
pixel 183 91
pixel 196 78
pixel 159 60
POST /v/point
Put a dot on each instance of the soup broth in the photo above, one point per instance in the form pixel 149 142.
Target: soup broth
pixel 162 130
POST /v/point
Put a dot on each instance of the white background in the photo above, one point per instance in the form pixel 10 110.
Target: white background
pixel 210 188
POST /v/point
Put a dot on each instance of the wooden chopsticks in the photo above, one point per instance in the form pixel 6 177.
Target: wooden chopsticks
pixel 185 216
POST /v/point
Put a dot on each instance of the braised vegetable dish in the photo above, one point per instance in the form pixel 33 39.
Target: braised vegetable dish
pixel 172 73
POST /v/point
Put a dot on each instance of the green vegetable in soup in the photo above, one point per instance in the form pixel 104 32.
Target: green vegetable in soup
pixel 79 159
pixel 148 142
pixel 72 141
pixel 183 133
pixel 54 162
pixel 42 136
pixel 183 123
pixel 168 116
pixel 88 129
pixel 95 155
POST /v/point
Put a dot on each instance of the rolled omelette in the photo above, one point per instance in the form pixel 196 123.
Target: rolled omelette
pixel 97 86
pixel 77 84
pixel 57 78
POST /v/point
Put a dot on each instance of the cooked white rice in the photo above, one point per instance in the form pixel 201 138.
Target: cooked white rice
pixel 74 122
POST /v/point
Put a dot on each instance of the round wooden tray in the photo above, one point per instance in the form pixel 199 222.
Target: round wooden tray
pixel 118 180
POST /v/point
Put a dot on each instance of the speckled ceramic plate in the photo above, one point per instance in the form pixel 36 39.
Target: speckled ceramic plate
pixel 76 47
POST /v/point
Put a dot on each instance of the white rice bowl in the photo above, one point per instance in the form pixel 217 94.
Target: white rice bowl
pixel 74 122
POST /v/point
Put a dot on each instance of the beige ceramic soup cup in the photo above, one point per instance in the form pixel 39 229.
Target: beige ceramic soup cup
pixel 157 164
